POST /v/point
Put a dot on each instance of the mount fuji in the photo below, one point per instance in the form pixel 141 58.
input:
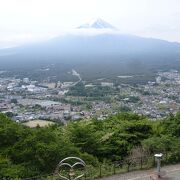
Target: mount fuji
pixel 96 49
pixel 97 24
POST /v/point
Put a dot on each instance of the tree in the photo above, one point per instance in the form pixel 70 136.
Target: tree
pixel 83 135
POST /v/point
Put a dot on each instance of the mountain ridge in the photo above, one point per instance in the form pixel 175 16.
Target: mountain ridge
pixel 105 53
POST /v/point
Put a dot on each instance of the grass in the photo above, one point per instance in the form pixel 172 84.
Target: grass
pixel 41 123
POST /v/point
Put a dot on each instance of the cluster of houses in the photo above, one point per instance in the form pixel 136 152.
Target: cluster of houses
pixel 26 100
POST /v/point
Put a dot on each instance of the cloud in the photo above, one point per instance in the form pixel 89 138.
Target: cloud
pixel 22 19
pixel 161 29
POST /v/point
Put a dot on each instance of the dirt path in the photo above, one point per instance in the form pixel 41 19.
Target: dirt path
pixel 172 172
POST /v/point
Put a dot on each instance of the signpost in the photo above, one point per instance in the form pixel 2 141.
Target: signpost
pixel 158 158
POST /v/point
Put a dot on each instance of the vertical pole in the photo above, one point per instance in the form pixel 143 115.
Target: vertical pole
pixel 128 168
pixel 71 174
pixel 158 157
pixel 166 156
pixel 128 165
pixel 141 162
pixel 114 168
pixel 158 166
pixel 100 173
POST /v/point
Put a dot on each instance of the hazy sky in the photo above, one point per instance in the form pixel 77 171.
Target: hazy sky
pixel 26 20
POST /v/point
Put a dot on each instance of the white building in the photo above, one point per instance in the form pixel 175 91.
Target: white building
pixel 26 80
pixel 107 84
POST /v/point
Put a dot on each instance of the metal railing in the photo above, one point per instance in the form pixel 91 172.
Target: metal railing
pixel 107 168
pixel 118 167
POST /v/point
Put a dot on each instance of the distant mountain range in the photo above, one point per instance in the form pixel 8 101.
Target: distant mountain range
pixel 96 49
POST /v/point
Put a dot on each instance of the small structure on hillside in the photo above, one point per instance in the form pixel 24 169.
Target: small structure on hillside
pixel 71 168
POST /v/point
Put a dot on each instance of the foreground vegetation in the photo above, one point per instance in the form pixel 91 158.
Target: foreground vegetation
pixel 27 152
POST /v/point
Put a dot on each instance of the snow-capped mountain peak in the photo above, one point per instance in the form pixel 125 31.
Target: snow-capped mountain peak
pixel 97 24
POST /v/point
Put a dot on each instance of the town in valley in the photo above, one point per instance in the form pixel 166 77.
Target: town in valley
pixel 27 100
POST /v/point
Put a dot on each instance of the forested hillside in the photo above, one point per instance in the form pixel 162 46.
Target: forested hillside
pixel 26 152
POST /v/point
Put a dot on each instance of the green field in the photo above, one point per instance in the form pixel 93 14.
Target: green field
pixel 41 123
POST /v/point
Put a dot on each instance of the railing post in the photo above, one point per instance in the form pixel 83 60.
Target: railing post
pixel 114 168
pixel 128 163
pixel 100 173
pixel 141 162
